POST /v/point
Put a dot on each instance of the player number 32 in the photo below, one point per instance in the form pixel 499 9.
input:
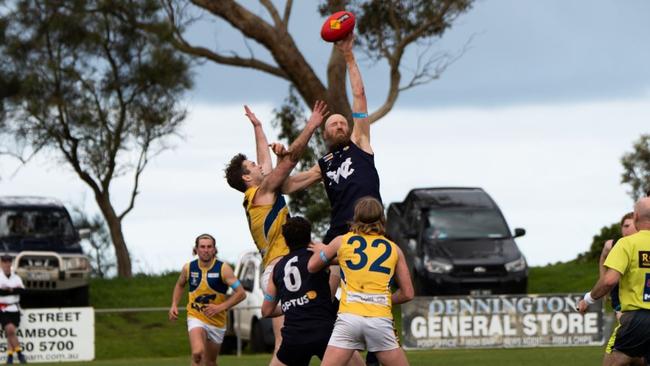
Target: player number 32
pixel 376 265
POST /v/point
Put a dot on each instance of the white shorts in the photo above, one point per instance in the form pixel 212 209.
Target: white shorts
pixel 353 331
pixel 215 334
pixel 268 272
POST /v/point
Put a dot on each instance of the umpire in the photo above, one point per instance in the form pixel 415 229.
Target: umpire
pixel 11 286
pixel 628 264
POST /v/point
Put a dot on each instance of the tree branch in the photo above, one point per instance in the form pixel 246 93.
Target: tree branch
pixel 287 13
pixel 142 163
pixel 273 11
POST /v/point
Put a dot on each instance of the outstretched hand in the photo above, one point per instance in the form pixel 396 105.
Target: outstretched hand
pixel 319 113
pixel 279 149
pixel 345 45
pixel 251 116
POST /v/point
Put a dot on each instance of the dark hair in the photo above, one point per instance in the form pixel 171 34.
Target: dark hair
pixel 368 217
pixel 297 232
pixel 627 216
pixel 235 171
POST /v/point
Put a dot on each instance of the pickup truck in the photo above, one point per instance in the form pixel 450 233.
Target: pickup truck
pixel 456 241
pixel 38 233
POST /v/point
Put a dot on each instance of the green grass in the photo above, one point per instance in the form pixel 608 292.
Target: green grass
pixel 497 357
pixel 149 335
pixel 571 276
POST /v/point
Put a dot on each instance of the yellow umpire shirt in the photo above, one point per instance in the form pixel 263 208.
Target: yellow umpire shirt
pixel 206 287
pixel 367 267
pixel 631 257
pixel 265 223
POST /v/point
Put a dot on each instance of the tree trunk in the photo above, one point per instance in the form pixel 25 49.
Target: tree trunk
pixel 115 227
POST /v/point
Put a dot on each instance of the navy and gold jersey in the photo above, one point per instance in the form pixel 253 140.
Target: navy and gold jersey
pixel 367 267
pixel 265 224
pixel 349 174
pixel 305 299
pixel 206 287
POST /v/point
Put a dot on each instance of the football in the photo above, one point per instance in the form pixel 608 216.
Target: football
pixel 337 26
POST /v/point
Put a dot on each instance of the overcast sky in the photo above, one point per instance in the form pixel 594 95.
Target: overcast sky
pixel 538 111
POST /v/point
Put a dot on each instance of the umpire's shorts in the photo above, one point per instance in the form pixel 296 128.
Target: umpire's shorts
pixel 632 337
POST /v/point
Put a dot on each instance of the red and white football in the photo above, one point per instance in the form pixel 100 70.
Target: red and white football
pixel 337 26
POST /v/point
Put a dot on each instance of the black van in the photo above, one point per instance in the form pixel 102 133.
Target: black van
pixel 38 233
pixel 456 241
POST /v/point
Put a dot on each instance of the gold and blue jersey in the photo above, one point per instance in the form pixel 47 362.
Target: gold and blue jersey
pixel 265 223
pixel 206 287
pixel 367 268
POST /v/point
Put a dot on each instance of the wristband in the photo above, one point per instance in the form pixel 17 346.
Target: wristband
pixel 323 257
pixel 268 297
pixel 235 285
pixel 359 115
pixel 588 299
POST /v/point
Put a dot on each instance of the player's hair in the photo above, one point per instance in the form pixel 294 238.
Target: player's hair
pixel 627 216
pixel 297 232
pixel 368 217
pixel 235 171
pixel 204 236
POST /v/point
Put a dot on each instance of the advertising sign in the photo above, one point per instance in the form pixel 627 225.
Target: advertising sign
pixel 54 335
pixel 500 321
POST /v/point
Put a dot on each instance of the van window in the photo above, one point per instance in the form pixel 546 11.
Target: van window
pixel 465 224
pixel 247 277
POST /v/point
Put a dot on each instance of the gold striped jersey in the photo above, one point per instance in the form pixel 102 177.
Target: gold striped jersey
pixel 206 287
pixel 265 223
pixel 367 268
pixel 631 258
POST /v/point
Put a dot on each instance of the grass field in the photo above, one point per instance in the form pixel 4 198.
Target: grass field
pixel 497 357
pixel 150 339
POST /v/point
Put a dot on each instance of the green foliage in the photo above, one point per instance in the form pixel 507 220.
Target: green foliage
pixel 612 231
pixel 574 276
pixel 311 203
pixel 636 168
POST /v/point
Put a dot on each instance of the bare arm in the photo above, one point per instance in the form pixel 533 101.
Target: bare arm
pixel 270 308
pixel 604 285
pixel 603 255
pixel 316 263
pixel 361 129
pixel 272 183
pixel 261 143
pixel 178 293
pixel 238 295
pixel 405 292
pixel 302 180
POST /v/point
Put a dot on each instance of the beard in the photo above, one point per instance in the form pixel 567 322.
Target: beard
pixel 338 141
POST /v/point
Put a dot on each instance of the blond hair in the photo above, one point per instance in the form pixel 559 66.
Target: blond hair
pixel 368 217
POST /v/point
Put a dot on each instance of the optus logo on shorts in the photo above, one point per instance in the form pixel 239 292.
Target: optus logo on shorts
pixel 644 259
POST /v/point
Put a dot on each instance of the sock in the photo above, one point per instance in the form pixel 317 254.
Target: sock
pixel 18 349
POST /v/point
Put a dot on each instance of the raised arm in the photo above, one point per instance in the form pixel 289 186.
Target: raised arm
pixel 302 180
pixel 273 182
pixel 177 293
pixel 322 254
pixel 603 255
pixel 261 143
pixel 405 291
pixel 238 295
pixel 361 129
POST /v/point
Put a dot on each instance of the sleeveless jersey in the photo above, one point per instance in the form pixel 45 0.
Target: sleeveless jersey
pixel 349 174
pixel 613 295
pixel 305 299
pixel 367 268
pixel 206 287
pixel 265 224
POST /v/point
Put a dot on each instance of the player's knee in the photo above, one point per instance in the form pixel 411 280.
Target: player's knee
pixel 197 356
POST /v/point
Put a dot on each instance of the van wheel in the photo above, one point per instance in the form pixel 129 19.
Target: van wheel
pixel 257 337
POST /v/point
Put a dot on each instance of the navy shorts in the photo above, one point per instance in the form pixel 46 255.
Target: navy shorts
pixel 301 354
pixel 633 336
pixel 12 317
